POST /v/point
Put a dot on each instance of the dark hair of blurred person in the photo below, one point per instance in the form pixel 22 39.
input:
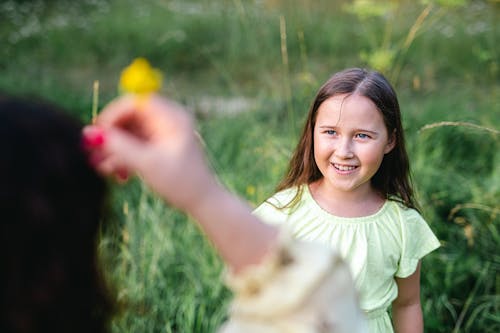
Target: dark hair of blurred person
pixel 51 202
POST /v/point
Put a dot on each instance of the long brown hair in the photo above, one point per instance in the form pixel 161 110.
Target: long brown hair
pixel 392 180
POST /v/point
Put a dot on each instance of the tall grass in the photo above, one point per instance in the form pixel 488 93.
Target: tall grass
pixel 275 54
pixel 456 168
pixel 167 277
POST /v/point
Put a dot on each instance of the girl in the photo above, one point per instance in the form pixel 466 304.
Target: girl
pixel 348 186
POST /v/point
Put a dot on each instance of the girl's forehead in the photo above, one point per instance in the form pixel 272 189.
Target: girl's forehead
pixel 339 98
pixel 349 108
pixel 345 102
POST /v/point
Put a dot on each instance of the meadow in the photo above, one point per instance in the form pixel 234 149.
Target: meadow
pixel 248 70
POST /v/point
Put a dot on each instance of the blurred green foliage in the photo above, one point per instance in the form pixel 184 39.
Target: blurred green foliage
pixel 226 60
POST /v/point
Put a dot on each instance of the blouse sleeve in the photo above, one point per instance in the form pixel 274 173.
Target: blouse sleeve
pixel 418 241
pixel 300 287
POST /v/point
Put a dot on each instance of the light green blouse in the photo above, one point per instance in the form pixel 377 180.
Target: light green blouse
pixel 377 248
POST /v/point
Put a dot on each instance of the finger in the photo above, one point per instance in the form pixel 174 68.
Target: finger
pixel 117 110
pixel 127 151
pixel 105 166
pixel 112 167
pixel 112 151
pixel 109 165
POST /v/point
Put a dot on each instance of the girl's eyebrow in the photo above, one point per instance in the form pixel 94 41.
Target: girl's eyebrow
pixel 366 131
pixel 355 130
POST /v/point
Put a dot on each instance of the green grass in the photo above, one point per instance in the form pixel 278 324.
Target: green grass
pixel 166 275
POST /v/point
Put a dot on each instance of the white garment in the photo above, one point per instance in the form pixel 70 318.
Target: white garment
pixel 299 288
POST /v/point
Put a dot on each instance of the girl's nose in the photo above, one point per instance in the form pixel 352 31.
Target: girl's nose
pixel 343 149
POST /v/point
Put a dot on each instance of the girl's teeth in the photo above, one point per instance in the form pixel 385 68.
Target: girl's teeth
pixel 345 167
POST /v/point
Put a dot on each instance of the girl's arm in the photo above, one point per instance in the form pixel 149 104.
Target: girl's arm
pixel 406 309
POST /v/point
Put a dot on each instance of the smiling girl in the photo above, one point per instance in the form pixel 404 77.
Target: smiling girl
pixel 348 186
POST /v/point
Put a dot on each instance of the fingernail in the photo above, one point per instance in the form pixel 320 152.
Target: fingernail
pixel 93 137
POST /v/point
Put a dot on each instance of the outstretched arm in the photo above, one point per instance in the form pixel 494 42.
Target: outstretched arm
pixel 406 308
pixel 155 138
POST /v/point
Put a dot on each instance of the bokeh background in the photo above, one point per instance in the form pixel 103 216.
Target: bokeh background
pixel 249 70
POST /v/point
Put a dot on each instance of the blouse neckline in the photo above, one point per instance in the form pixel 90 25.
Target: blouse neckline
pixel 322 212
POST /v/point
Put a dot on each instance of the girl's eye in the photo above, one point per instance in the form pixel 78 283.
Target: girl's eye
pixel 362 136
pixel 331 132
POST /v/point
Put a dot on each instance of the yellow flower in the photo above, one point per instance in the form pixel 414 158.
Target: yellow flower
pixel 140 78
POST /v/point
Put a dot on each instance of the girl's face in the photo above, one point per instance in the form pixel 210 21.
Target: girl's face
pixel 350 141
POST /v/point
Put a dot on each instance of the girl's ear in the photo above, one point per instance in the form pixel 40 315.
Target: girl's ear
pixel 391 143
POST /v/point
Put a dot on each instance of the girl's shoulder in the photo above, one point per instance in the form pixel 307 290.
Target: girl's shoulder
pixel 404 213
pixel 411 224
